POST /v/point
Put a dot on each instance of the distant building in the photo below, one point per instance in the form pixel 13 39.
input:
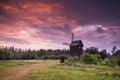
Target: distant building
pixel 76 48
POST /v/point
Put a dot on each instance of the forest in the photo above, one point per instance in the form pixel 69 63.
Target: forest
pixel 91 55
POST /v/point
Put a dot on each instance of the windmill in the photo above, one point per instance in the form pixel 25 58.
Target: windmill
pixel 76 47
pixel 64 43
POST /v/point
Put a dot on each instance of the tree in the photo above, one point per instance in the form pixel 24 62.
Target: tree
pixel 92 50
pixel 5 54
pixel 103 54
pixel 116 53
pixel 18 53
pixel 113 50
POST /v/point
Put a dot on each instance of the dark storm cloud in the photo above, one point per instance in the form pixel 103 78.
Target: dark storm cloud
pixel 8 17
pixel 5 17
pixel 109 30
pixel 93 11
pixel 83 11
pixel 54 20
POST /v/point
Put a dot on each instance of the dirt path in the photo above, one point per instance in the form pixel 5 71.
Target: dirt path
pixel 19 72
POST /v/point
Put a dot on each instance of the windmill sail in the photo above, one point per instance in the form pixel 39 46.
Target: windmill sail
pixel 66 43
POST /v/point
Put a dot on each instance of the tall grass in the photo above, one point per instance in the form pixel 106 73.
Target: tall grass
pixel 82 72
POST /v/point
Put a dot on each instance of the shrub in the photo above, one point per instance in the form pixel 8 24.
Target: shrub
pixel 114 60
pixel 108 62
pixel 90 58
pixel 116 74
pixel 62 59
pixel 72 60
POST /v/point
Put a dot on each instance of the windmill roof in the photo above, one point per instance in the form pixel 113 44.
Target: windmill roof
pixel 76 43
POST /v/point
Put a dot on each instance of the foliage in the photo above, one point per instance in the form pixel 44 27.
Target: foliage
pixel 92 50
pixel 103 54
pixel 112 61
pixel 91 55
pixel 72 60
pixel 113 50
pixel 115 60
pixel 62 59
pixel 7 53
pixel 90 59
pixel 116 53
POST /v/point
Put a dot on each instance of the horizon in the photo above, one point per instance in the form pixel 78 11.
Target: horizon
pixel 46 24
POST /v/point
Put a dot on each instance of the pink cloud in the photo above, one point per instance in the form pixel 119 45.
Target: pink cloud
pixel 41 24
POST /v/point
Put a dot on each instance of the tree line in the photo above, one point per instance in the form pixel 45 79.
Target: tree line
pixel 103 53
pixel 9 53
pixel 92 55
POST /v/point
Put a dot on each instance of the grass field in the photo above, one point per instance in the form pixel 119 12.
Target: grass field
pixel 16 69
pixel 50 70
pixel 82 72
pixel 11 67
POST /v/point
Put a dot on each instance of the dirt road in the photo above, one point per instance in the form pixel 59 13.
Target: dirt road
pixel 18 72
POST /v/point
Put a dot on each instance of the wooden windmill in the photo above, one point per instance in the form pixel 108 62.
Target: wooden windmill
pixel 76 47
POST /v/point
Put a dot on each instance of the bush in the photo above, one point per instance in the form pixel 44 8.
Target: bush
pixel 114 60
pixel 72 60
pixel 62 59
pixel 90 58
pixel 116 74
pixel 118 62
pixel 108 62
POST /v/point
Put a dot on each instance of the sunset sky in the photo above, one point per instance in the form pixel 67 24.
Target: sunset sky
pixel 47 24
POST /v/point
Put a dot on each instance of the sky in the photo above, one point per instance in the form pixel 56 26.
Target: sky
pixel 46 24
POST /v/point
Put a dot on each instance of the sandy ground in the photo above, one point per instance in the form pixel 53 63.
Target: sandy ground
pixel 18 72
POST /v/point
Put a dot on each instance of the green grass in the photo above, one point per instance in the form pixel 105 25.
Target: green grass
pixel 81 72
pixel 10 63
pixel 76 71
pixel 5 64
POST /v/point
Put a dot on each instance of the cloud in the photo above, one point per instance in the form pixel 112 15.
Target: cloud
pixel 92 12
pixel 37 21
pixel 116 42
pixel 13 40
pixel 88 28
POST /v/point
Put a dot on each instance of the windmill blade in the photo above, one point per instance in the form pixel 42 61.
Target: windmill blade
pixel 64 43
